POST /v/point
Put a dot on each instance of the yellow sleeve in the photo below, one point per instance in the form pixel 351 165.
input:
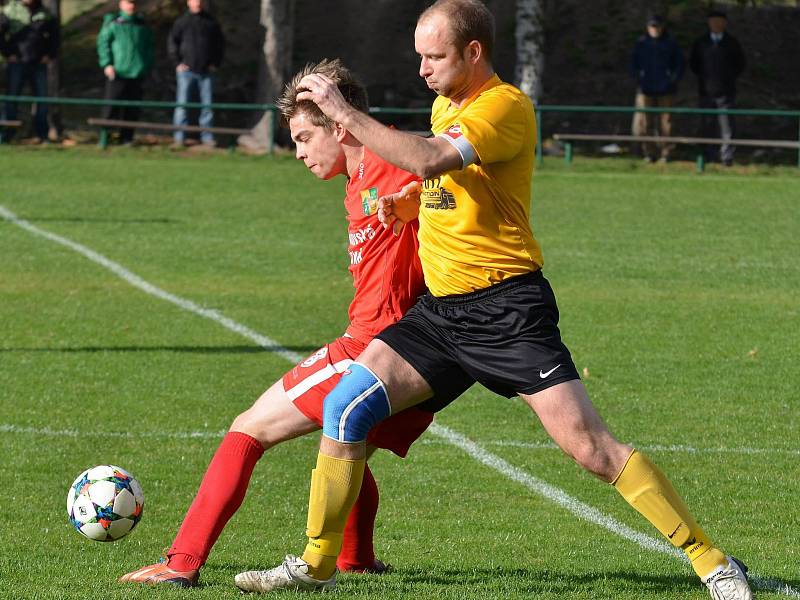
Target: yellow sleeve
pixel 495 126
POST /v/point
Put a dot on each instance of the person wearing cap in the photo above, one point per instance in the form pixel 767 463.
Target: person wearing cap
pixel 126 54
pixel 717 59
pixel 657 65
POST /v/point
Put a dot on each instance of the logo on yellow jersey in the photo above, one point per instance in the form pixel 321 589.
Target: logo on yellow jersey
pixel 436 197
pixel 369 201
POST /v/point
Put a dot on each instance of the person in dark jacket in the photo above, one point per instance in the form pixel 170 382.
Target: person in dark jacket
pixel 196 46
pixel 126 53
pixel 717 59
pixel 29 39
pixel 657 65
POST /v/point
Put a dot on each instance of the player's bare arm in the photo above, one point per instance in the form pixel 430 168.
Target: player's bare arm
pixel 425 157
pixel 395 210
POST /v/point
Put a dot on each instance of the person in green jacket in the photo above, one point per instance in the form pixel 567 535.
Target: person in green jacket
pixel 125 49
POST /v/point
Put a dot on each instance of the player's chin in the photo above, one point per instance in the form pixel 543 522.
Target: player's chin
pixel 437 88
pixel 317 171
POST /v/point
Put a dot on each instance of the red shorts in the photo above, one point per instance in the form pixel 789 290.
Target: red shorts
pixel 309 382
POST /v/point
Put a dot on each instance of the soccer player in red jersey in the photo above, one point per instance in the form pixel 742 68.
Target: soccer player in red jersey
pixel 387 276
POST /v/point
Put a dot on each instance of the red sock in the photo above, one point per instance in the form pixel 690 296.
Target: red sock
pixel 357 550
pixel 220 495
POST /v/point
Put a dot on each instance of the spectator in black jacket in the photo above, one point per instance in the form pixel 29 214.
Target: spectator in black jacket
pixel 29 39
pixel 717 60
pixel 657 65
pixel 196 46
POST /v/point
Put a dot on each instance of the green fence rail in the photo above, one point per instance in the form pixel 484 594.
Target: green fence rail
pixel 541 110
pixel 745 112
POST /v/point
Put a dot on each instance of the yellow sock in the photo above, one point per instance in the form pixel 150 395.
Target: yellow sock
pixel 647 489
pixel 335 485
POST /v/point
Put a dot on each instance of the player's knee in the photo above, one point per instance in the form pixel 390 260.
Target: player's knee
pixel 248 424
pixel 267 432
pixel 357 403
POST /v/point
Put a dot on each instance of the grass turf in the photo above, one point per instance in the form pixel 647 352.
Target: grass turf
pixel 678 295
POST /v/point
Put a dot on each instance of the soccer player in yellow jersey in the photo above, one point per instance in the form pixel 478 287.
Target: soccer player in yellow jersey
pixel 490 315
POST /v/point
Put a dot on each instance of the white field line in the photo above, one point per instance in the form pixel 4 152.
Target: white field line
pixel 186 435
pixel 679 448
pixel 581 509
pixel 552 493
pixel 149 288
pixel 75 433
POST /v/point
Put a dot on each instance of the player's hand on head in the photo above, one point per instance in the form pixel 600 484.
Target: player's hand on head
pixel 323 92
pixel 394 210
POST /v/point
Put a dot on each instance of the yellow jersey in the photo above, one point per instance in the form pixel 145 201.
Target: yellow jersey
pixel 475 222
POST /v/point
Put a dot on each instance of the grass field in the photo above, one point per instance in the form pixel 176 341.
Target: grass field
pixel 679 295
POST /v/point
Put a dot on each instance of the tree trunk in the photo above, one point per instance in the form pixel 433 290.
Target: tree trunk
pixel 530 47
pixel 54 120
pixel 275 64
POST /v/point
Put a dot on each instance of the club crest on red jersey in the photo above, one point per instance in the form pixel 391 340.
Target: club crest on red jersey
pixel 369 201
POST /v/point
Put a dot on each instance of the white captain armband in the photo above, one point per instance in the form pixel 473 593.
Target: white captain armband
pixel 461 144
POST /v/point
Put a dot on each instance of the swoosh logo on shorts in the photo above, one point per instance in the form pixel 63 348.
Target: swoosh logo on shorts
pixel 543 375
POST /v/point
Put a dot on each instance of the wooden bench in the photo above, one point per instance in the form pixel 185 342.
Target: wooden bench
pixel 4 123
pixel 106 124
pixel 568 138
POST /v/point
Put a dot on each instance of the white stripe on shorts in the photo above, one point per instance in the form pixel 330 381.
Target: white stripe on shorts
pixel 317 378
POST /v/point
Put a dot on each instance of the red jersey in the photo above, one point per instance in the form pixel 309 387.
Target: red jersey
pixel 386 270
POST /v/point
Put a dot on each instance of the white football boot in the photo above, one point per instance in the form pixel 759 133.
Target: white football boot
pixel 729 583
pixel 291 574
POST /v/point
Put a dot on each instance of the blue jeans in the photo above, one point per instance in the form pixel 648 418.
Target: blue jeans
pixel 718 125
pixel 204 83
pixel 35 73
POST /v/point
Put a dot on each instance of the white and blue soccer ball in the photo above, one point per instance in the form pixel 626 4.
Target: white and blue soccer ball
pixel 105 503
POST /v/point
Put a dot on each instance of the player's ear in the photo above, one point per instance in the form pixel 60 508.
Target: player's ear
pixel 340 132
pixel 473 51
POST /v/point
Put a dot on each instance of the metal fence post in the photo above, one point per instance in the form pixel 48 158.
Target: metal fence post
pixel 539 153
pixel 273 113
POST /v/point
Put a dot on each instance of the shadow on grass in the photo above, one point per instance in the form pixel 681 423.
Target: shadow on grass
pixel 499 579
pixel 179 349
pixel 552 581
pixel 96 220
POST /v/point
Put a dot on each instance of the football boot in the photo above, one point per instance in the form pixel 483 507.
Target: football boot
pixel 729 583
pixel 161 573
pixel 291 574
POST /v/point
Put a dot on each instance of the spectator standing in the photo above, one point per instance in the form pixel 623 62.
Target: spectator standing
pixel 657 65
pixel 196 46
pixel 29 39
pixel 125 51
pixel 717 59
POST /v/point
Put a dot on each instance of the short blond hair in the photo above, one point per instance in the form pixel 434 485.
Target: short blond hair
pixel 351 88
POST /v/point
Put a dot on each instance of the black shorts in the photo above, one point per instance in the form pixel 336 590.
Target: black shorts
pixel 505 337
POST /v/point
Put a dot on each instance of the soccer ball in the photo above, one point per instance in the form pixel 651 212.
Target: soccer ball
pixel 105 503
